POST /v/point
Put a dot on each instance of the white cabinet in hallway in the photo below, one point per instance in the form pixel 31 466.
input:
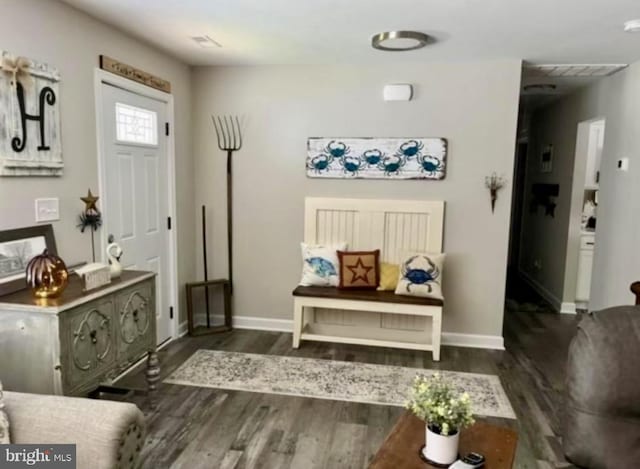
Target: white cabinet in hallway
pixel 585 267
pixel 594 154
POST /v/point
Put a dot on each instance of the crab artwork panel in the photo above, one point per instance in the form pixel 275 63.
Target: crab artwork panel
pixel 376 158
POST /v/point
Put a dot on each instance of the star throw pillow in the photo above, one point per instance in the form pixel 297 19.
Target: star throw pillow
pixel 421 275
pixel 359 269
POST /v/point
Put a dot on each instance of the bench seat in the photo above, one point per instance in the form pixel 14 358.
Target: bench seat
pixel 385 302
pixel 364 295
pixel 370 317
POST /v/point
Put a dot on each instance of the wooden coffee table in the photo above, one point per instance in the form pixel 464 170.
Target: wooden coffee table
pixel 400 449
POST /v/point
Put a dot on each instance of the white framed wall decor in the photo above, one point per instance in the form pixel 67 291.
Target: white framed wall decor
pixel 30 142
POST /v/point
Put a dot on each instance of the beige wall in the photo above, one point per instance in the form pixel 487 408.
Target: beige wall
pixel 54 33
pixel 549 240
pixel 616 258
pixel 473 105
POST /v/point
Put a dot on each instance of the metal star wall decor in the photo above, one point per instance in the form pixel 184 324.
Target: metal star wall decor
pixel 90 218
pixel 90 201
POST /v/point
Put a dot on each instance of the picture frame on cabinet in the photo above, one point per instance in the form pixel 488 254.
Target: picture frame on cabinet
pixel 17 247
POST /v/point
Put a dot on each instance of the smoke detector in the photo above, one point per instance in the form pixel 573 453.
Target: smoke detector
pixel 205 42
pixel 632 26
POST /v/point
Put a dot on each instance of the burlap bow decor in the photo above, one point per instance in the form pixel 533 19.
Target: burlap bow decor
pixel 18 68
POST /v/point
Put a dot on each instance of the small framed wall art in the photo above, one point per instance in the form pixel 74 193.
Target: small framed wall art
pixel 17 248
pixel 546 159
pixel 377 158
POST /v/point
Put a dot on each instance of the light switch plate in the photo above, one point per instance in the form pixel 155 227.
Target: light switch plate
pixel 622 164
pixel 47 210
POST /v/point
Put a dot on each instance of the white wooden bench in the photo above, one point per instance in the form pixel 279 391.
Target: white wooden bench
pixel 362 316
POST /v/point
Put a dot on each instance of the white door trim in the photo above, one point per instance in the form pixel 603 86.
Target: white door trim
pixel 100 77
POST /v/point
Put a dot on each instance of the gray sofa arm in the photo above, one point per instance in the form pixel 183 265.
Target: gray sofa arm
pixel 107 434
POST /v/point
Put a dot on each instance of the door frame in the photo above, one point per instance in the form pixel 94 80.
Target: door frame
pixel 103 77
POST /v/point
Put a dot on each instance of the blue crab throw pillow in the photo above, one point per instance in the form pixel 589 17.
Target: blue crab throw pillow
pixel 320 266
pixel 421 275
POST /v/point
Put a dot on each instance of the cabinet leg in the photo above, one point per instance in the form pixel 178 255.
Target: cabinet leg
pixel 153 376
pixel 298 313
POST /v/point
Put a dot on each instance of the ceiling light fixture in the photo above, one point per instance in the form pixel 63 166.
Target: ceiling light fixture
pixel 205 41
pixel 632 26
pixel 400 40
pixel 545 87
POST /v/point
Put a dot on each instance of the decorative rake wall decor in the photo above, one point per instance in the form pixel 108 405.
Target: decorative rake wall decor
pixel 229 136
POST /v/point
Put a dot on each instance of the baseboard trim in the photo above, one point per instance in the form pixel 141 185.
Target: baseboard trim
pixel 183 329
pixel 568 308
pixel 541 290
pixel 492 342
pixel 263 324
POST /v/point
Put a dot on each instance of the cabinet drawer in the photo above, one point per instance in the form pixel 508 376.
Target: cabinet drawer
pixel 587 242
pixel 135 330
pixel 88 347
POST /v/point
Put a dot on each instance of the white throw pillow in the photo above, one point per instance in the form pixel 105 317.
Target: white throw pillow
pixel 320 264
pixel 4 422
pixel 421 275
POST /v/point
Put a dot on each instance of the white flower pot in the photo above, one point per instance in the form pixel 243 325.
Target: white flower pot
pixel 441 449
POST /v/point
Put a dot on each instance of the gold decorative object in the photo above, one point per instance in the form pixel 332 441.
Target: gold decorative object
pixel 47 275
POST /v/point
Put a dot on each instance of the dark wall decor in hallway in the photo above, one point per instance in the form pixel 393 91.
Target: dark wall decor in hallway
pixel 544 194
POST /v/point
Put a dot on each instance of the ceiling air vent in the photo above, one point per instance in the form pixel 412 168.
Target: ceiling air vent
pixel 205 42
pixel 541 87
pixel 572 70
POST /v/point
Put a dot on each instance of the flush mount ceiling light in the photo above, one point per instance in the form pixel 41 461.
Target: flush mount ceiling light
pixel 632 26
pixel 400 40
pixel 545 87
pixel 206 42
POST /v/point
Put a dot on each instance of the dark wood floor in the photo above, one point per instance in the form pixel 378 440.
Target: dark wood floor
pixel 209 428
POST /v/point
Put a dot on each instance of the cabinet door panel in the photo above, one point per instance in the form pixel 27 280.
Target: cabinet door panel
pixel 136 320
pixel 89 348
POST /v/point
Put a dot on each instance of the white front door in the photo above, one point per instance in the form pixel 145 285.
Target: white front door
pixel 136 207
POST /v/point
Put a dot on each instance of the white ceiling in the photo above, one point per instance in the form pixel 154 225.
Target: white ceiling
pixel 339 31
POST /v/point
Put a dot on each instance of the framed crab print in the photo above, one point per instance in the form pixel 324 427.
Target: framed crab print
pixel 377 158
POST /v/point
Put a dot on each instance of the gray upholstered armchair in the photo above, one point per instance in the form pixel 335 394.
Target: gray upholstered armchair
pixel 107 434
pixel 602 425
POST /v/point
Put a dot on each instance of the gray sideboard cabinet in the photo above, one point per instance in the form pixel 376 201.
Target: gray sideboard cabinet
pixel 72 344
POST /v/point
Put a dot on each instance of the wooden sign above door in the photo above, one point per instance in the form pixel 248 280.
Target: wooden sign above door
pixel 135 74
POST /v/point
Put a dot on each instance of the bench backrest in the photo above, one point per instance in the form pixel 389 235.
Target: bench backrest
pixel 393 226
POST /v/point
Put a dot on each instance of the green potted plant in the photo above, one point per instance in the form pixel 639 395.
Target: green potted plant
pixel 445 412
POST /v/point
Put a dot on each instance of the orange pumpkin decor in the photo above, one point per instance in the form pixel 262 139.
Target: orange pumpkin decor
pixel 47 275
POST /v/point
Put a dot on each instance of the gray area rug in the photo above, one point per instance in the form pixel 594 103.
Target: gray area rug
pixel 330 379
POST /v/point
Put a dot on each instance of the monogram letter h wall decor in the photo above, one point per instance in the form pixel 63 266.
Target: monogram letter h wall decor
pixel 29 118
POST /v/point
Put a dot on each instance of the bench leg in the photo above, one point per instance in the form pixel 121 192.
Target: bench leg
pixel 297 322
pixel 436 335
